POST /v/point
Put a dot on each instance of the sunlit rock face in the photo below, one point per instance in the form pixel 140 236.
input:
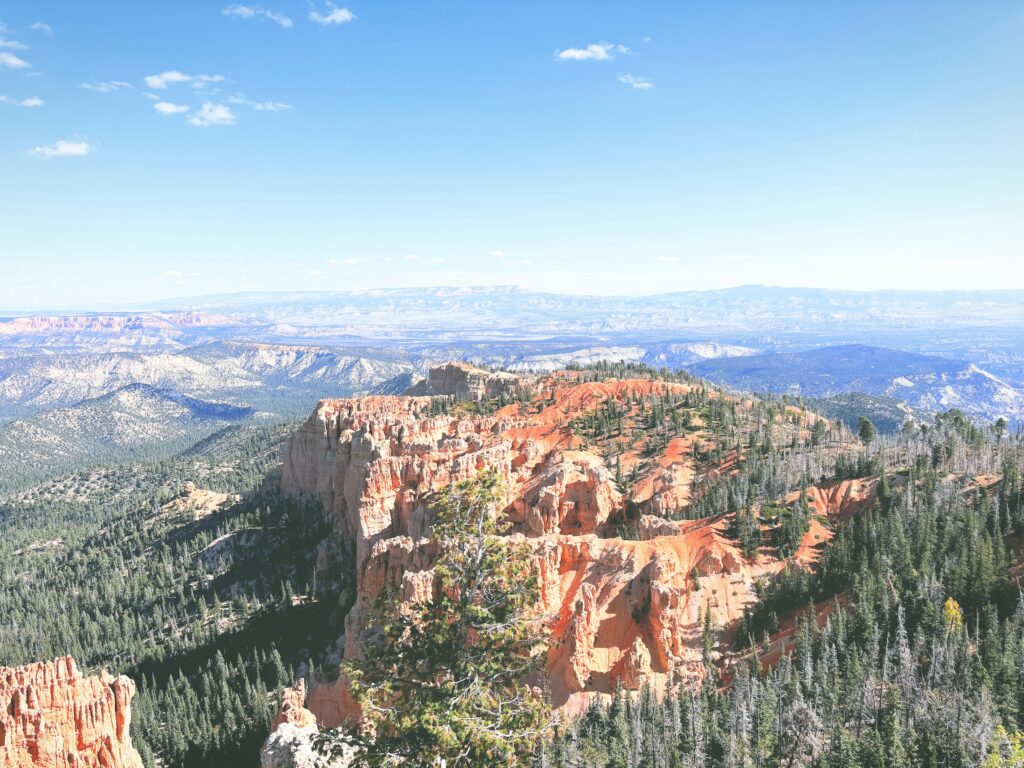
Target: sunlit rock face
pixel 622 611
pixel 51 715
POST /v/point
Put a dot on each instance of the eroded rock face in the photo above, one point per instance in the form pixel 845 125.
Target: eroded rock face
pixel 290 744
pixel 50 715
pixel 466 382
pixel 621 612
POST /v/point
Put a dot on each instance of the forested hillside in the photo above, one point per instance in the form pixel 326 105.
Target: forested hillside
pixel 903 647
pixel 891 633
pixel 159 569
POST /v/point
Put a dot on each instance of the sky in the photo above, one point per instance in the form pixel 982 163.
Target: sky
pixel 184 147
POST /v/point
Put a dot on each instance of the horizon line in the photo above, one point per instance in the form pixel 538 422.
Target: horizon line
pixel 154 305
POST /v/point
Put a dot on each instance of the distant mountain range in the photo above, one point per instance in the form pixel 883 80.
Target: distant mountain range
pixel 923 382
pixel 496 313
pixel 890 354
pixel 274 378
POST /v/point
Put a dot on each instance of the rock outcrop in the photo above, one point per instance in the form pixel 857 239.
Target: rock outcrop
pixel 466 382
pixel 290 744
pixel 51 715
pixel 622 611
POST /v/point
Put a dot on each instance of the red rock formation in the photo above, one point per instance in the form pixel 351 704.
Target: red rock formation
pixel 293 708
pixel 621 612
pixel 290 744
pixel 50 715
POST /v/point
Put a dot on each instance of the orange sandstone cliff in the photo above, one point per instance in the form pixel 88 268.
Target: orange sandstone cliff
pixel 50 715
pixel 622 611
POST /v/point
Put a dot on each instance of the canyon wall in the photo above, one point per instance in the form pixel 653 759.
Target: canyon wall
pixel 621 611
pixel 51 715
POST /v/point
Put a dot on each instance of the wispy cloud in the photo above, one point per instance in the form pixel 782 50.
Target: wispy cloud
pixel 593 52
pixel 40 26
pixel 13 45
pixel 349 261
pixel 167 108
pixel 174 77
pixel 63 148
pixel 12 61
pixel 33 101
pixel 176 274
pixel 213 114
pixel 437 260
pixel 412 257
pixel 638 83
pixel 260 106
pixel 666 259
pixel 108 87
pixel 251 12
pixel 335 15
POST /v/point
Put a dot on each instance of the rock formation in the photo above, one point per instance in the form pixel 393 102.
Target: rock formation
pixel 50 716
pixel 622 611
pixel 466 382
pixel 290 744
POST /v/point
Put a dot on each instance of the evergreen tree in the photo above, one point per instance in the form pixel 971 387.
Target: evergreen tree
pixel 444 679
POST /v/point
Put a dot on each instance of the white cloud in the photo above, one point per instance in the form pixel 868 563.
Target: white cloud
pixel 249 12
pixel 241 11
pixel 349 261
pixel 261 106
pixel 40 26
pixel 270 106
pixel 437 260
pixel 412 257
pixel 12 61
pixel 666 259
pixel 108 87
pixel 593 52
pixel 167 108
pixel 498 254
pixel 174 77
pixel 63 148
pixel 213 114
pixel 14 45
pixel 167 78
pixel 199 82
pixel 639 83
pixel 33 101
pixel 335 16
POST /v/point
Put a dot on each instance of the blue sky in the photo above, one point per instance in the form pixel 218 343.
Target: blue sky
pixel 583 147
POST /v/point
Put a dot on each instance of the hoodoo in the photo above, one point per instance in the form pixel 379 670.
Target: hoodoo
pixel 51 715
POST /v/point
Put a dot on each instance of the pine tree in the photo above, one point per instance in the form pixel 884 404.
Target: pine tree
pixel 444 679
